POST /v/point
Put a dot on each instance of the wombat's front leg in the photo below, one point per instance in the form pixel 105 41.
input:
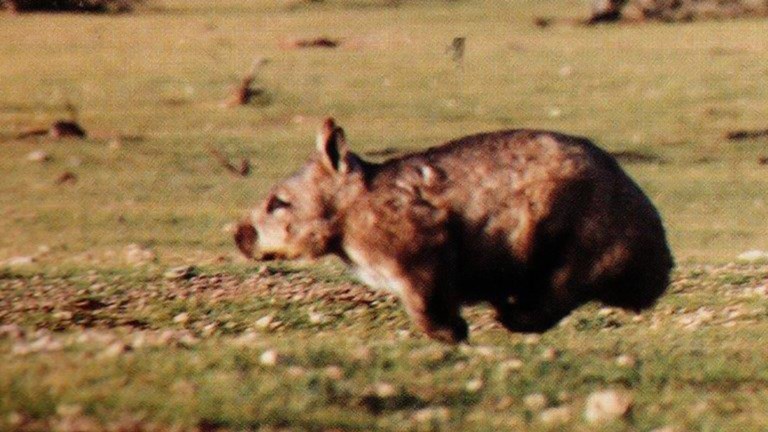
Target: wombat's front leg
pixel 436 313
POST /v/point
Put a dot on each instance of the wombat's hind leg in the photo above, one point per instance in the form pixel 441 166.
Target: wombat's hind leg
pixel 529 319
pixel 436 315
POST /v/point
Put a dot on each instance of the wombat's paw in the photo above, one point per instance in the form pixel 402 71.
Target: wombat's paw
pixel 451 334
pixel 521 320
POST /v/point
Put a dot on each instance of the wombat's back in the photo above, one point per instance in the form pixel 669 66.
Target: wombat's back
pixel 539 213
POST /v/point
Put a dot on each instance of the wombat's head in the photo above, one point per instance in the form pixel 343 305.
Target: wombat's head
pixel 300 216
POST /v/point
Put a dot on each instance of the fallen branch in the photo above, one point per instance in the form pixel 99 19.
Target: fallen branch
pixel 243 170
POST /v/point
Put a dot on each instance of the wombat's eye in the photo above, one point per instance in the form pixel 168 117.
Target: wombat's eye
pixel 276 203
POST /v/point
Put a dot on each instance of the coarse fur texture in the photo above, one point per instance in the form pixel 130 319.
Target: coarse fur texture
pixel 533 223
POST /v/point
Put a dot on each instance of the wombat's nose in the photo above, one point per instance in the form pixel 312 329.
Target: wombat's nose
pixel 245 238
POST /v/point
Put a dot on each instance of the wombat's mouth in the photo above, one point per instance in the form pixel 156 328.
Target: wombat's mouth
pixel 246 238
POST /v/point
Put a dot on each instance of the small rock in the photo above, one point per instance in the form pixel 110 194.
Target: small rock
pixel 209 329
pixel 334 372
pixel 430 415
pixel 606 405
pixel 626 361
pixel 248 338
pixel 384 390
pixel 136 254
pixel 317 318
pixel 532 339
pixel 296 371
pixel 229 228
pixel 20 261
pixel 114 350
pixel 269 358
pixel 474 385
pixel 606 311
pixel 181 318
pixel 38 156
pixel 535 401
pixel 264 322
pixel 188 340
pixel 753 255
pixel 511 365
pixel 63 315
pixel 504 403
pixel 549 354
pixel 181 272
pixel 555 416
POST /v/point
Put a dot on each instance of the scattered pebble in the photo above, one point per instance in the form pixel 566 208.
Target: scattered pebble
pixel 384 390
pixel 626 361
pixel 229 228
pixel 43 344
pixel 38 156
pixel 188 340
pixel 20 261
pixel 63 315
pixel 269 358
pixel 532 339
pixel 181 318
pixel 511 365
pixel 264 322
pixel 181 272
pixel 334 372
pixel 248 338
pixel 432 414
pixel 114 350
pixel 753 255
pixel 535 401
pixel 136 254
pixel 317 318
pixel 549 354
pixel 606 311
pixel 473 386
pixel 606 405
pixel 555 416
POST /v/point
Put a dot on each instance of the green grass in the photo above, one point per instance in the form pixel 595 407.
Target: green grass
pixel 698 363
pixel 154 81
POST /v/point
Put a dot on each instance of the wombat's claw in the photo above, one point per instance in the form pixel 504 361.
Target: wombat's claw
pixel 455 334
pixel 528 321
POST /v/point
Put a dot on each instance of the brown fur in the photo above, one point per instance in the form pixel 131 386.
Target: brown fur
pixel 534 223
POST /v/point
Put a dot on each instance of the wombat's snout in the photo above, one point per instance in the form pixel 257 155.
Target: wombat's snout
pixel 245 238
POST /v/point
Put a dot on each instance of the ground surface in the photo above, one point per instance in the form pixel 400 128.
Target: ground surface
pixel 95 336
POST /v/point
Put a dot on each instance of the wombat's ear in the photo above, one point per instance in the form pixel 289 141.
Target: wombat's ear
pixel 332 145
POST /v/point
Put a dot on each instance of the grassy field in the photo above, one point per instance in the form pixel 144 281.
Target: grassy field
pixel 90 340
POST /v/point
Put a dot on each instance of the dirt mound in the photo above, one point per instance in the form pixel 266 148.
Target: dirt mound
pixel 93 6
pixel 675 10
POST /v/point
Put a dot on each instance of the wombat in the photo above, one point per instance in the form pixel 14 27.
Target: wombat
pixel 534 223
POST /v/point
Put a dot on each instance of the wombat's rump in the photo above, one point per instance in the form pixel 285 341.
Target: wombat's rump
pixel 533 223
